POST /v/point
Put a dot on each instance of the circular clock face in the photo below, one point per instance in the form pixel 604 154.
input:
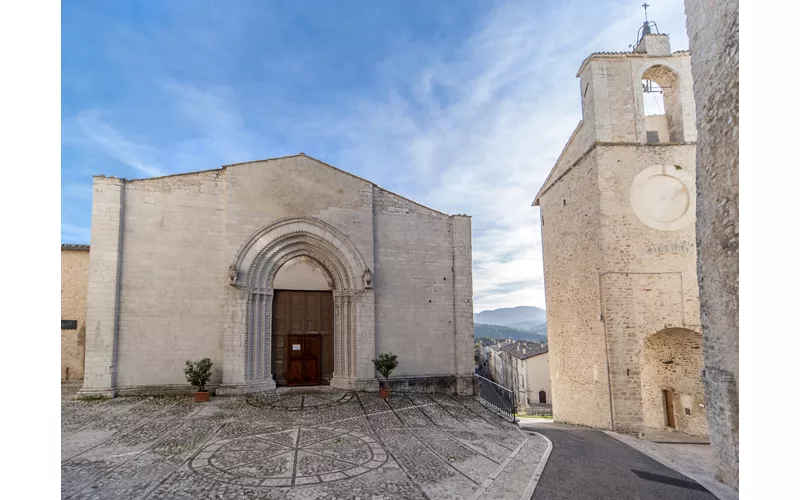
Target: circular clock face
pixel 662 197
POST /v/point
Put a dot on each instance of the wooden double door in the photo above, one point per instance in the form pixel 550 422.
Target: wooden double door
pixel 302 337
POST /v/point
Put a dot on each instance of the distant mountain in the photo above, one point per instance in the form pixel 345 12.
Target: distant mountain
pixel 531 326
pixel 523 317
pixel 503 332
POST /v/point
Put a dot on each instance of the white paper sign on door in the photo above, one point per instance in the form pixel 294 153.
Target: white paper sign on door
pixel 295 347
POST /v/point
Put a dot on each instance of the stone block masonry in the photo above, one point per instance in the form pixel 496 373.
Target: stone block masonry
pixel 572 259
pixel 74 284
pixel 714 41
pixel 619 254
pixel 183 267
pixel 102 308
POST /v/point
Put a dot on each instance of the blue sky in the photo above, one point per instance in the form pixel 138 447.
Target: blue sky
pixel 461 105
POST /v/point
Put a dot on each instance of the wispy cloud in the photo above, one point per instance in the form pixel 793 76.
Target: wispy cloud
pixel 467 128
pixel 114 144
pixel 216 128
pixel 478 132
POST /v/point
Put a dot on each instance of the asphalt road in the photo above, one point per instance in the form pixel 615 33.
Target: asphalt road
pixel 588 464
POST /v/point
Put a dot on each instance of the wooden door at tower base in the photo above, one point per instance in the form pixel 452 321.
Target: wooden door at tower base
pixel 669 408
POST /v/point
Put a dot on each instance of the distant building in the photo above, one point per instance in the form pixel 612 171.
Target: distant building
pixel 527 372
pixel 524 368
pixel 483 352
pixel 74 283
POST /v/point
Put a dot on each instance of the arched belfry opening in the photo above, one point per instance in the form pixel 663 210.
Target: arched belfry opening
pixel 303 314
pixel 663 114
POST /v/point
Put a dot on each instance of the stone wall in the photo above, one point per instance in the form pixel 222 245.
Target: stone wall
pixel 422 263
pixel 613 103
pixel 612 276
pixel 74 285
pixel 102 300
pixel 173 277
pixel 572 257
pixel 672 361
pixel 648 279
pixel 714 41
pixel 160 290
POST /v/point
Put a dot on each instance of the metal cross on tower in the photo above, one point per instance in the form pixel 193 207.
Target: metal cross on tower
pixel 645 5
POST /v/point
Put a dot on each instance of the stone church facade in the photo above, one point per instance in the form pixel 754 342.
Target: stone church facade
pixel 284 272
pixel 618 233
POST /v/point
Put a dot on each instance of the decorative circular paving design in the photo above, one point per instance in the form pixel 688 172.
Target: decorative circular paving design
pixel 294 401
pixel 293 457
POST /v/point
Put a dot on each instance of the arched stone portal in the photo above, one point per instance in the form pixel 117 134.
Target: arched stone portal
pixel 247 352
pixel 672 387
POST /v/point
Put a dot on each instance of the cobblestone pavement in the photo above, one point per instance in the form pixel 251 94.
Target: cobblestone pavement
pixel 293 444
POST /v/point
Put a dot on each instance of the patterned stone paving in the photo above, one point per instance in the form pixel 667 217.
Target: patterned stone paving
pixel 293 444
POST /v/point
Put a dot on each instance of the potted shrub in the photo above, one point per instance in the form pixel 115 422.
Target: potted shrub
pixel 385 364
pixel 198 374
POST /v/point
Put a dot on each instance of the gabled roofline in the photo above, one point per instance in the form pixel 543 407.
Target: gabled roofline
pixel 348 173
pixel 225 167
pixel 621 55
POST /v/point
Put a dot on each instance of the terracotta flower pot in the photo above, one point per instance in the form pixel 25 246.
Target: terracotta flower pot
pixel 201 397
pixel 385 392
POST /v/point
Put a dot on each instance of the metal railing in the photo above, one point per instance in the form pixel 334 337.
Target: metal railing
pixel 539 411
pixel 495 395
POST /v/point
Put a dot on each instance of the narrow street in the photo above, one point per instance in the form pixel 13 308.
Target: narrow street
pixel 588 464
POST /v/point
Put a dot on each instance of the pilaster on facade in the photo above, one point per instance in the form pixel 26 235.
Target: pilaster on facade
pixel 105 270
pixel 462 295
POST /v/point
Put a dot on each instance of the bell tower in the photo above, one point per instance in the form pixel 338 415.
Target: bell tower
pixel 618 238
pixel 643 96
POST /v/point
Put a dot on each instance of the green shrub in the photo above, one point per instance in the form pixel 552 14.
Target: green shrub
pixel 198 373
pixel 385 364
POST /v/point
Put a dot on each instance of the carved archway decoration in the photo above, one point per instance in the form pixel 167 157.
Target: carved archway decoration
pixel 259 260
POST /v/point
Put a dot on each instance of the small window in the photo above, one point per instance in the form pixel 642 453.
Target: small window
pixel 542 397
pixel 652 137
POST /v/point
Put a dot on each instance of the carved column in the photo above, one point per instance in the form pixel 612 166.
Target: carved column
pixel 248 347
pixel 352 341
pixel 266 320
pixel 258 342
pixel 344 339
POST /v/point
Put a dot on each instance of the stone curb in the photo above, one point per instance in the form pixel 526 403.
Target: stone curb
pixel 528 493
